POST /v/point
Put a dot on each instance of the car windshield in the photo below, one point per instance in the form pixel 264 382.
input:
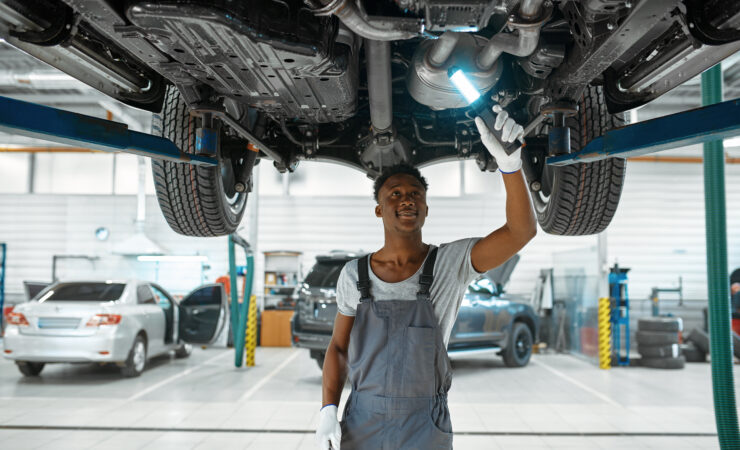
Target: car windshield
pixel 482 286
pixel 84 292
pixel 324 274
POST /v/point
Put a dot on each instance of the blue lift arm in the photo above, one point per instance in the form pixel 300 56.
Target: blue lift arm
pixel 64 127
pixel 710 123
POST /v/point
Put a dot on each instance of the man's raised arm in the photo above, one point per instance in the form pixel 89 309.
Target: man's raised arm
pixel 521 225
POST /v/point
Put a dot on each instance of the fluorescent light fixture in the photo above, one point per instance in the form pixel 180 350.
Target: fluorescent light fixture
pixel 732 142
pixel 465 87
pixel 172 258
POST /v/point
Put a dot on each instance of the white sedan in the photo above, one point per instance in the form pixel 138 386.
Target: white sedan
pixel 122 322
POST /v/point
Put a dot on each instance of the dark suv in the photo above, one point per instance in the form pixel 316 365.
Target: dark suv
pixel 488 319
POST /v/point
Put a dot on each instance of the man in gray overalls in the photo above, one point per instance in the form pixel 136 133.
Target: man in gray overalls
pixel 397 307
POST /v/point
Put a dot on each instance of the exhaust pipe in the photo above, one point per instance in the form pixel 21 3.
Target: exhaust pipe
pixel 443 48
pixel 354 19
pixel 528 22
pixel 378 54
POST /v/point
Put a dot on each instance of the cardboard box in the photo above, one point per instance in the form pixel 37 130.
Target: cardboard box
pixel 275 330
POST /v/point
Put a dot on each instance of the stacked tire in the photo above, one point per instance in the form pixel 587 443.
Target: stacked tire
pixel 697 345
pixel 658 342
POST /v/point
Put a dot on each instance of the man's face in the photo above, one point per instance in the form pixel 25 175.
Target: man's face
pixel 402 203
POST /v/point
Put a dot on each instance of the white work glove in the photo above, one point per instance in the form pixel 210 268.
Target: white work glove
pixel 510 131
pixel 329 430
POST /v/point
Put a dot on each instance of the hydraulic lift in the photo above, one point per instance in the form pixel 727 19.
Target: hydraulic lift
pixel 707 124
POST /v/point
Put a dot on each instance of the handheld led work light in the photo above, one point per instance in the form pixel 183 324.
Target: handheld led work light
pixel 479 105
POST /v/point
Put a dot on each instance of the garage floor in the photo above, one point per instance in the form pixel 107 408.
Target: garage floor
pixel 202 402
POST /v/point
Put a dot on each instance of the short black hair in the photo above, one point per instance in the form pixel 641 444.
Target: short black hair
pixel 402 168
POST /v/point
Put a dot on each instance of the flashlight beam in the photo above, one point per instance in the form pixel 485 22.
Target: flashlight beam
pixel 464 85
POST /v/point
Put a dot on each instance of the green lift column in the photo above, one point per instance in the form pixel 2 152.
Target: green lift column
pixel 725 412
pixel 240 313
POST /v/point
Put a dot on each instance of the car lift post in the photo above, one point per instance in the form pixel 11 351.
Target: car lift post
pixel 720 338
pixel 240 313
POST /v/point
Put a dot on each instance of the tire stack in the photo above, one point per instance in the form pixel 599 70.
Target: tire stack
pixel 658 342
pixel 697 346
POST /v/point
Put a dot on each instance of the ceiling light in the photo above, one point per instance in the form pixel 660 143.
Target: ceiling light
pixel 172 258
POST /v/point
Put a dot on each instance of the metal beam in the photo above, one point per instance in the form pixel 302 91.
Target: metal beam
pixel 719 121
pixel 64 127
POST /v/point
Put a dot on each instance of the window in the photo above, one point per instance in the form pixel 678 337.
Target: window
pixel 325 274
pixel 162 299
pixel 482 286
pixel 144 295
pixel 84 292
pixel 205 296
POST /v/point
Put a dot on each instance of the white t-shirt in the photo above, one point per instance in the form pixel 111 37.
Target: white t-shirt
pixel 453 272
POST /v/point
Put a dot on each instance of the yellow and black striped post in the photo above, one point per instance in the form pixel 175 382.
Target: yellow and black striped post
pixel 250 343
pixel 605 333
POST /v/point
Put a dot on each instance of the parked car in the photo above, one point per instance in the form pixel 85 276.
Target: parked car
pixel 121 322
pixel 489 319
pixel 366 83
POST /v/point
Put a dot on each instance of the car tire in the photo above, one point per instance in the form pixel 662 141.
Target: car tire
pixel 664 363
pixel 184 350
pixel 660 324
pixel 648 338
pixel 659 351
pixel 30 369
pixel 692 353
pixel 320 360
pixel 581 199
pixel 136 360
pixel 519 350
pixel 700 339
pixel 195 200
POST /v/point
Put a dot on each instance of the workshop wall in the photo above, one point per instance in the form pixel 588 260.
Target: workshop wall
pixel 658 231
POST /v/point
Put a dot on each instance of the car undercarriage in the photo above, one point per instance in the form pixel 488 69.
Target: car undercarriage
pixel 365 84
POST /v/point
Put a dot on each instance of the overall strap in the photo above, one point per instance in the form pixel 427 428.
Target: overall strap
pixel 427 276
pixel 363 283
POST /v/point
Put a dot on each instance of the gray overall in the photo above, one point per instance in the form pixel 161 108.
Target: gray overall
pixel 399 372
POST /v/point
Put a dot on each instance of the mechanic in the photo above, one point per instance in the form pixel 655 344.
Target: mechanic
pixel 396 309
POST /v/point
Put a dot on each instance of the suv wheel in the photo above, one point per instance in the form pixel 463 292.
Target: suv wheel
pixel 30 369
pixel 319 357
pixel 195 201
pixel 519 350
pixel 582 198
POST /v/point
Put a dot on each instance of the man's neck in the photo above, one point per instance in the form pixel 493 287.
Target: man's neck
pixel 403 249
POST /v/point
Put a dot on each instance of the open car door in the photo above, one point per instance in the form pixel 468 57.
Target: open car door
pixel 203 314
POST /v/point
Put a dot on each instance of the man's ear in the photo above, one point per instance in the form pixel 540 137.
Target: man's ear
pixel 427 214
pixel 378 212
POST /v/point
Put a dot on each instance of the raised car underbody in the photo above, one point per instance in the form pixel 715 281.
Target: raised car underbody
pixel 364 83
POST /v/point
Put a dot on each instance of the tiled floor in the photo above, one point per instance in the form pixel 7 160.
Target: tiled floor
pixel 203 402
